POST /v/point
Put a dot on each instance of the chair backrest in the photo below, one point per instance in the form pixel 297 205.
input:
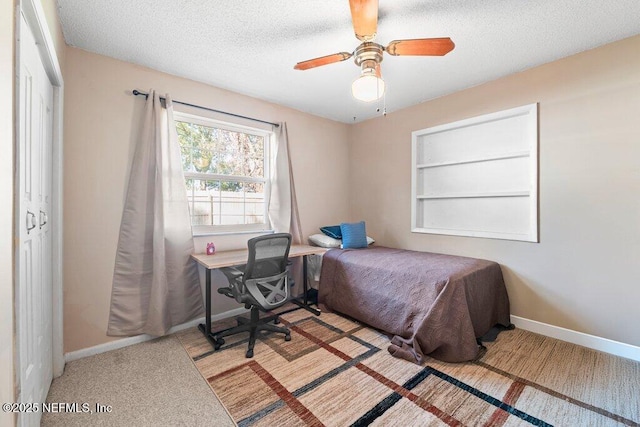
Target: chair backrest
pixel 268 255
pixel 265 276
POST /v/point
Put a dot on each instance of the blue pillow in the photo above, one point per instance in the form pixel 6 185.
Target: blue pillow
pixel 332 231
pixel 354 235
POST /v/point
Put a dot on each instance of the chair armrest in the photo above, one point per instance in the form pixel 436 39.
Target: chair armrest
pixel 236 288
pixel 232 273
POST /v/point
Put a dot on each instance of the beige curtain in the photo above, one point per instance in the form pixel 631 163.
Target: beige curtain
pixel 283 203
pixel 155 283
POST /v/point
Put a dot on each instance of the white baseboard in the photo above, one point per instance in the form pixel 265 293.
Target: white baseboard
pixel 125 342
pixel 590 341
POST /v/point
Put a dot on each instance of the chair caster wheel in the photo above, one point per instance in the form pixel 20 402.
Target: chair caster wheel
pixel 219 343
pixel 287 337
pixel 249 354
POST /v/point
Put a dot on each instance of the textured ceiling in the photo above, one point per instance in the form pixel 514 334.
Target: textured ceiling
pixel 251 46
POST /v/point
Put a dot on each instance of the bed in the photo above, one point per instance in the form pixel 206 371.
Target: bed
pixel 432 304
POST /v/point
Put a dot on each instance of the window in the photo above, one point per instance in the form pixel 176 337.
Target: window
pixel 478 177
pixel 226 170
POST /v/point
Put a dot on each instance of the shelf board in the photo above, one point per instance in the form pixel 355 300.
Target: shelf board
pixel 475 195
pixel 515 155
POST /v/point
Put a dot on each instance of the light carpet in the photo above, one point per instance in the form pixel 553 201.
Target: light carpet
pixel 148 384
pixel 337 372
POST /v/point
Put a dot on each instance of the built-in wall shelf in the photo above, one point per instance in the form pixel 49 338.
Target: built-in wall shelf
pixel 477 160
pixel 478 177
pixel 475 195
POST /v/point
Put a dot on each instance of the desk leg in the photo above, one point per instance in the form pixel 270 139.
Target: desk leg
pixel 207 304
pixel 305 287
pixel 206 328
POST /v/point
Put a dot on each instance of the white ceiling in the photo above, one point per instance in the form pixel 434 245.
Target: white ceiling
pixel 251 46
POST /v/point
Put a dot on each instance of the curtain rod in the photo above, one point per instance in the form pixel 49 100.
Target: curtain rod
pixel 138 93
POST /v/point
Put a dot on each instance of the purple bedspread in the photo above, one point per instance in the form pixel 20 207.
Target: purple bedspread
pixel 432 304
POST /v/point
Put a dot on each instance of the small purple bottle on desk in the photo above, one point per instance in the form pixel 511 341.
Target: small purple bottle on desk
pixel 211 248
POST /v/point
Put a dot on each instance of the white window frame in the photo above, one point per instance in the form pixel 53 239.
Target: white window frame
pixel 200 230
pixel 429 203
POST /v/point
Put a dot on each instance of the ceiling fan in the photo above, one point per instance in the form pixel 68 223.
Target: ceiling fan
pixel 368 56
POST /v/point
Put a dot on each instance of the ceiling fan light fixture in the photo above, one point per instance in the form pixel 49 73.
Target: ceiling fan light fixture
pixel 369 54
pixel 368 87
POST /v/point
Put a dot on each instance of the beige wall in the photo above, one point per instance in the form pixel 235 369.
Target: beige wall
pixel 584 273
pixel 99 127
pixel 6 200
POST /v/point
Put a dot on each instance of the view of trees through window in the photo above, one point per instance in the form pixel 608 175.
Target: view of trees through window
pixel 225 174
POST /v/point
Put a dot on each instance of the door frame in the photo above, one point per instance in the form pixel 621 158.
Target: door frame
pixel 35 17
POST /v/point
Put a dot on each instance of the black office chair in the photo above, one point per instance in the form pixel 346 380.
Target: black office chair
pixel 262 285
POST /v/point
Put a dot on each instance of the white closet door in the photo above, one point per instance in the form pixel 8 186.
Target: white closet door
pixel 34 296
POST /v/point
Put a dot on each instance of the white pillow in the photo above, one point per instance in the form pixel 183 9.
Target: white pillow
pixel 325 241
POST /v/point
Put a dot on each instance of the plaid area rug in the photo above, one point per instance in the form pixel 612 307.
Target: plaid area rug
pixel 336 372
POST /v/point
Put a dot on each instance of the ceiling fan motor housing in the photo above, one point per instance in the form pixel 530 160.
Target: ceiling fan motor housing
pixel 368 55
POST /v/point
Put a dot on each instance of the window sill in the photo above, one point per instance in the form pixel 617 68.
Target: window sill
pixel 230 233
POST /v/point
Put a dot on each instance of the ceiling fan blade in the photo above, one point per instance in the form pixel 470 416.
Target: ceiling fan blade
pixel 323 60
pixel 427 47
pixel 364 14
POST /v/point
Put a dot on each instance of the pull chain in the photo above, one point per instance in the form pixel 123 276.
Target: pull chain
pixel 384 104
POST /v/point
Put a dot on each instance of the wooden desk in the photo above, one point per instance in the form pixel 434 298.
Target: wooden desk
pixel 239 257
